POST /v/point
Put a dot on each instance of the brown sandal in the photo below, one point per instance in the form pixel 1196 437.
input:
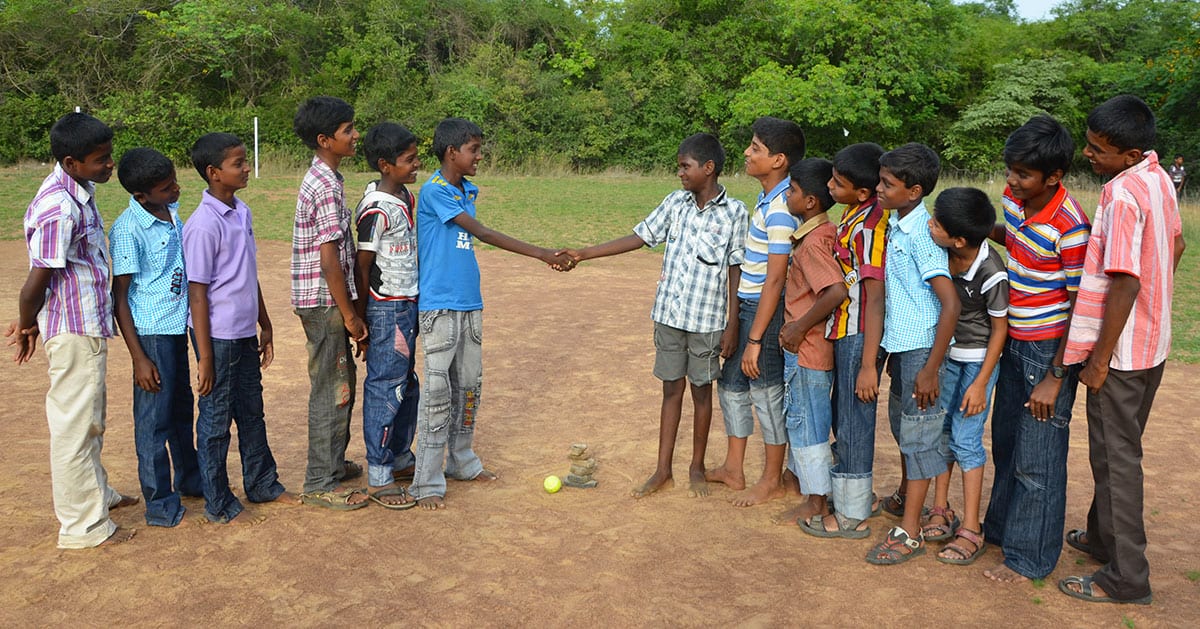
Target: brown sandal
pixel 938 532
pixel 964 558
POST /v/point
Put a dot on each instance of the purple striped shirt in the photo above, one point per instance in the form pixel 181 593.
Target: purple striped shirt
pixel 64 232
pixel 321 217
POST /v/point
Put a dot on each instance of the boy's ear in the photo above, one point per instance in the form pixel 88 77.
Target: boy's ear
pixel 916 192
pixel 382 163
pixel 1055 177
pixel 863 194
pixel 1133 156
pixel 323 140
pixel 212 173
pixel 709 167
pixel 140 197
pixel 779 161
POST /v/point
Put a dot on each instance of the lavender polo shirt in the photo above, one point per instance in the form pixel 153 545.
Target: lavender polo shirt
pixel 219 250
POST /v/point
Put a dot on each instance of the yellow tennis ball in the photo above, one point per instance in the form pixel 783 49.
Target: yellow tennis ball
pixel 552 484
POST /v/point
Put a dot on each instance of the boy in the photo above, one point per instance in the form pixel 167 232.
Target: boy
pixel 1178 175
pixel 387 272
pixel 1045 233
pixel 66 299
pixel 921 312
pixel 962 220
pixel 227 309
pixel 151 307
pixel 323 295
pixel 1121 332
pixel 815 287
pixel 451 312
pixel 705 233
pixel 753 377
pixel 856 330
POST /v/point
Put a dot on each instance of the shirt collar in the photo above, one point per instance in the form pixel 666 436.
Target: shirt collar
pixel 766 197
pixel 145 219
pixel 1047 212
pixel 718 200
pixel 208 199
pixel 980 256
pixel 914 218
pixel 82 193
pixel 1150 160
pixel 324 169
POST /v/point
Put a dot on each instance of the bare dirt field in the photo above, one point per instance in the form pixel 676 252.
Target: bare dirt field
pixel 567 358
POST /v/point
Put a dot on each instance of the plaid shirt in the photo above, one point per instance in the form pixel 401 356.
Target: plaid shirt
pixel 321 217
pixel 702 243
pixel 151 250
pixel 64 232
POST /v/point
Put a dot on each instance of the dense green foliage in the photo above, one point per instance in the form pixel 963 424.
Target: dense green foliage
pixel 595 83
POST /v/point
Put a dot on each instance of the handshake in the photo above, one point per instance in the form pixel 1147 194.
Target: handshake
pixel 563 260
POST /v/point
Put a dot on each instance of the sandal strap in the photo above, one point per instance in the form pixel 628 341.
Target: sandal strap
pixel 970 536
pixel 900 536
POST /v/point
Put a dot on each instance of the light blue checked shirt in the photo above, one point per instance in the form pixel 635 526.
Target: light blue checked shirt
pixel 913 259
pixel 702 243
pixel 151 250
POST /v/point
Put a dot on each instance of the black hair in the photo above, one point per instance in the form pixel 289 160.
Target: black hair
pixel 386 141
pixel 211 149
pixel 77 135
pixel 704 147
pixel 914 164
pixel 321 115
pixel 1042 144
pixel 143 168
pixel 780 136
pixel 965 213
pixel 1125 121
pixel 813 175
pixel 1179 156
pixel 859 164
pixel 453 132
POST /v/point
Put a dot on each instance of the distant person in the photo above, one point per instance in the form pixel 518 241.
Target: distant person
pixel 705 232
pixel 1178 175
pixel 324 294
pixel 151 305
pixel 231 331
pixel 1121 333
pixel 66 299
pixel 752 378
pixel 387 276
pixel 1045 234
pixel 451 312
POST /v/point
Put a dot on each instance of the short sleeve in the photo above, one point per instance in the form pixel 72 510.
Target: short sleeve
pixel 50 239
pixel 737 241
pixel 1072 250
pixel 443 200
pixel 1123 246
pixel 372 224
pixel 815 253
pixel 200 251
pixel 873 238
pixel 995 285
pixel 326 219
pixel 123 248
pixel 931 260
pixel 780 226
pixel 653 230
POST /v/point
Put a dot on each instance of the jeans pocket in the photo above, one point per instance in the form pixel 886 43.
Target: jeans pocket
pixel 475 323
pixel 435 401
pixel 438 332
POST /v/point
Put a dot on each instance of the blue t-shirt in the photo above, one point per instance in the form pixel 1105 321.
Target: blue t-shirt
pixel 449 273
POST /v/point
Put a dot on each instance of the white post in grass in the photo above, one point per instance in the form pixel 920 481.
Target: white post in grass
pixel 256 147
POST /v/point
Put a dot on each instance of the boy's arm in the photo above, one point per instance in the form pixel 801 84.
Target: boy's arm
pixel 24 331
pixel 335 279
pixel 1045 393
pixel 497 239
pixel 1122 293
pixel 768 301
pixel 1180 245
pixel 615 247
pixel 266 335
pixel 830 297
pixel 975 398
pixel 866 385
pixel 999 233
pixel 362 278
pixel 926 387
pixel 145 372
pixel 729 338
pixel 202 331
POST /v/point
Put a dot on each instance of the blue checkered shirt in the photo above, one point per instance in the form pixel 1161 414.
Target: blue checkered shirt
pixel 913 259
pixel 702 243
pixel 151 250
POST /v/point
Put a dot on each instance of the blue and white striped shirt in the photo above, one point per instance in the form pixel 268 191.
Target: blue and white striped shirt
pixel 771 231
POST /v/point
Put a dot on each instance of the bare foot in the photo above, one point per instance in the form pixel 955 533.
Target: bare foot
pixel 248 518
pixel 797 514
pixel 486 476
pixel 763 491
pixel 125 501
pixel 432 503
pixel 791 484
pixel 729 479
pixel 652 484
pixel 119 536
pixel 1004 574
pixel 697 484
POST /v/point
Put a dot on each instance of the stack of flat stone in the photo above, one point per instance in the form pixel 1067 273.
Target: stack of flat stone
pixel 583 468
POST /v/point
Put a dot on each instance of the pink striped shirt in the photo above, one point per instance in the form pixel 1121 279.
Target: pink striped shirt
pixel 64 232
pixel 321 217
pixel 1133 233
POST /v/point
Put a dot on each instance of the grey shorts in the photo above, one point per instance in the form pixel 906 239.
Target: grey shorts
pixel 696 355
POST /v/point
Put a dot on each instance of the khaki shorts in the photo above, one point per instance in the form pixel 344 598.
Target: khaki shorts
pixel 696 355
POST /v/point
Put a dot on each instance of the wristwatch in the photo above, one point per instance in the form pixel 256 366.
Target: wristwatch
pixel 1058 371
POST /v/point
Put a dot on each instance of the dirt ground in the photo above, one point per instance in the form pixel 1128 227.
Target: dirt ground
pixel 567 359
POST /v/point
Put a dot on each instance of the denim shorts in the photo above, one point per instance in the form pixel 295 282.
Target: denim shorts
pixel 679 353
pixel 809 414
pixel 962 435
pixel 919 432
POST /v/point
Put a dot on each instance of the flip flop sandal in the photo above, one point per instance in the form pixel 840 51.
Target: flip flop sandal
pixel 847 528
pixel 891 551
pixel 1087 593
pixel 378 498
pixel 1075 540
pixel 939 532
pixel 965 557
pixel 335 500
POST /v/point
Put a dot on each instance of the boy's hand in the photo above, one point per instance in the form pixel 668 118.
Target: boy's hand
pixel 356 327
pixel 925 389
pixel 790 336
pixel 729 339
pixel 1093 375
pixel 974 399
pixel 866 386
pixel 1042 401
pixel 266 347
pixel 561 260
pixel 750 360
pixel 360 349
pixel 204 376
pixel 24 339
pixel 145 375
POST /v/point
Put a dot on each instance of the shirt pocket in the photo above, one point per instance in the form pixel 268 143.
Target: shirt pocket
pixel 711 247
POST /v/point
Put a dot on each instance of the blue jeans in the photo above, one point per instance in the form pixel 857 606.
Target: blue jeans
pixel 855 422
pixel 236 397
pixel 809 415
pixel 162 422
pixel 739 395
pixel 391 389
pixel 917 431
pixel 331 378
pixel 1027 510
pixel 453 345
pixel 962 435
